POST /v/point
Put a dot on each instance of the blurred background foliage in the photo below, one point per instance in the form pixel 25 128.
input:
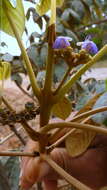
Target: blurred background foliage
pixel 76 19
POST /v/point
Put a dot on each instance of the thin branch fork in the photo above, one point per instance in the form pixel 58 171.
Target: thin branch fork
pixel 63 137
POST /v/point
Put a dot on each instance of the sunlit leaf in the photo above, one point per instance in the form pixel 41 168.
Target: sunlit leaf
pixel 17 15
pixel 106 84
pixel 78 142
pixel 44 5
pixel 63 108
pixel 5 70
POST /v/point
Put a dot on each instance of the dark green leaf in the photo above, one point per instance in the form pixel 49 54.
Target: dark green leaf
pixel 60 69
pixel 4 183
pixel 101 118
pixel 17 78
pixel 87 16
pixel 97 9
pixel 13 171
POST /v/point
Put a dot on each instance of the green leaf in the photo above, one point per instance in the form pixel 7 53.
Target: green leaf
pixel 13 171
pixel 101 118
pixel 16 13
pixel 97 9
pixel 4 184
pixel 5 70
pixel 59 70
pixel 87 16
pixel 63 108
pixel 106 84
pixel 44 5
pixel 17 78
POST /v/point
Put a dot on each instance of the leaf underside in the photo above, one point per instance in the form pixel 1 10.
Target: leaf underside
pixel 16 13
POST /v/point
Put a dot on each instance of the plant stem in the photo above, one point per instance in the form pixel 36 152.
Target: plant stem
pixel 64 174
pixel 90 24
pixel 89 113
pixel 31 74
pixel 8 153
pixel 12 128
pixel 63 80
pixel 51 39
pixel 81 71
pixel 82 126
pixel 53 12
pixel 46 99
pixel 7 104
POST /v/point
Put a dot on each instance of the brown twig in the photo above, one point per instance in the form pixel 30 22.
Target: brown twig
pixel 90 24
pixel 9 136
pixel 7 104
pixel 25 92
pixel 12 128
pixel 8 153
